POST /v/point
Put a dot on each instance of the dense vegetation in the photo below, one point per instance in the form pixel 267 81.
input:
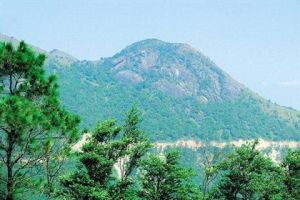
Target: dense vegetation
pixel 182 94
pixel 116 162
pixel 169 116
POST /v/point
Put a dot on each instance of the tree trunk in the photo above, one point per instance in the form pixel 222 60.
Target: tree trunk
pixel 10 193
pixel 49 181
pixel 9 165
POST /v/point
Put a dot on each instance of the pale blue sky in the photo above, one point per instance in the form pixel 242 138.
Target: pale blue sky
pixel 255 41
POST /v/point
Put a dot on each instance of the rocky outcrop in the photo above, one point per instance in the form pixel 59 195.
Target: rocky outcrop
pixel 176 69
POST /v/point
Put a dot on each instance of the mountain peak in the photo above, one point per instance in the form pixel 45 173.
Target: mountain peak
pixel 14 41
pixel 156 45
pixel 174 68
pixel 62 54
pixel 61 57
pixel 56 55
pixel 5 38
pixel 150 41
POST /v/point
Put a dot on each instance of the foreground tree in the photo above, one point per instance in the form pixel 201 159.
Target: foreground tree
pixel 208 159
pixel 110 147
pixel 291 164
pixel 162 178
pixel 30 116
pixel 56 152
pixel 136 146
pixel 247 174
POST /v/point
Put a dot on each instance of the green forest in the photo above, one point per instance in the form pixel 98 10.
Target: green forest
pixel 37 160
pixel 209 114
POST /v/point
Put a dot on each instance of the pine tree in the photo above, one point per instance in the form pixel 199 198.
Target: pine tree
pixel 30 115
pixel 110 147
pixel 136 146
pixel 162 178
pixel 291 164
pixel 247 174
pixel 57 151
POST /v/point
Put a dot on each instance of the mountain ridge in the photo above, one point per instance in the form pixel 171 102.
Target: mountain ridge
pixel 181 93
pixel 177 61
pixel 54 55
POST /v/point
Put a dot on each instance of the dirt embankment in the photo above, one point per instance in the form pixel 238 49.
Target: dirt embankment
pixel 275 147
pixel 196 144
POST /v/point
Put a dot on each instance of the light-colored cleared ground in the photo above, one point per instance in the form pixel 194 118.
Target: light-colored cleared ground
pixel 275 147
pixel 196 144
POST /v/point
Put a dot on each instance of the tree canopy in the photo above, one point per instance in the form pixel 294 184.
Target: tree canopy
pixel 108 161
pixel 30 115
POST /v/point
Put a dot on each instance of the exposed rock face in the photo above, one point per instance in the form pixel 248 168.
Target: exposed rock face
pixel 176 69
pixel 129 77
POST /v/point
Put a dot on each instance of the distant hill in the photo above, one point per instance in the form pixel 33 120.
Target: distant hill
pixel 181 92
pixel 55 57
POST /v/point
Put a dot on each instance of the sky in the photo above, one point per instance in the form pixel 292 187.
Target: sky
pixel 256 41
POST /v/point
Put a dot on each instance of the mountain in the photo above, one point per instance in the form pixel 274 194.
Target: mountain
pixel 15 42
pixel 55 57
pixel 60 58
pixel 175 69
pixel 181 92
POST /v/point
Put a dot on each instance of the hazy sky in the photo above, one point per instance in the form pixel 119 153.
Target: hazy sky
pixel 255 41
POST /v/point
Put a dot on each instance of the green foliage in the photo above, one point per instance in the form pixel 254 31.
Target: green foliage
pixel 80 186
pixel 162 178
pixel 292 180
pixel 92 91
pixel 249 175
pixel 109 144
pixel 30 116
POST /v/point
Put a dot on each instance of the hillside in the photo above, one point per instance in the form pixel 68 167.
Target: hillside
pixel 181 92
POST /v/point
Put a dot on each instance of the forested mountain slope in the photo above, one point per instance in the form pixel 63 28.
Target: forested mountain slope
pixel 181 92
